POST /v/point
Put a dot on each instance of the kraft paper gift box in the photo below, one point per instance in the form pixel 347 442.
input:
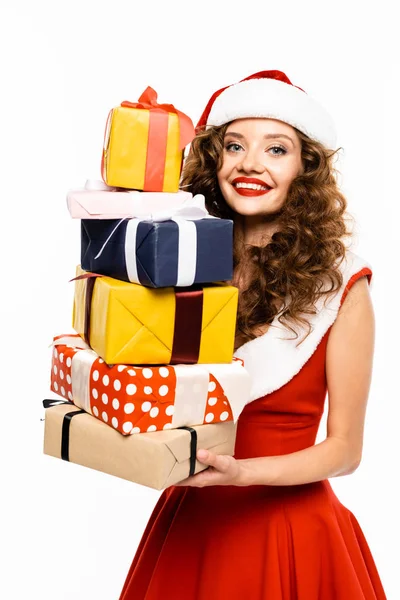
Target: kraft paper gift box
pixel 156 460
pixel 99 201
pixel 144 143
pixel 134 399
pixel 178 247
pixel 128 323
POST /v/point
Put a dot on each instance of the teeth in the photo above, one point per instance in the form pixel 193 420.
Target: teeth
pixel 250 186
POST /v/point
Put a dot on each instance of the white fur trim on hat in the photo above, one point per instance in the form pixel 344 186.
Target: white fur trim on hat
pixel 272 359
pixel 274 99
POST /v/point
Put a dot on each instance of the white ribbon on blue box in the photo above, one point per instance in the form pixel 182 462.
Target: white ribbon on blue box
pixel 177 249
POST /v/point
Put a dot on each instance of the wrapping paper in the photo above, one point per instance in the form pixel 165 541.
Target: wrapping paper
pixel 118 204
pixel 134 399
pixel 159 254
pixel 127 323
pixel 156 460
pixel 144 145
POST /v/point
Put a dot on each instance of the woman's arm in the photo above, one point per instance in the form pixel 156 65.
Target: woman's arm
pixel 348 368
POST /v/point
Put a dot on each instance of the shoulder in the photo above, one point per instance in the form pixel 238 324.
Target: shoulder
pixel 353 269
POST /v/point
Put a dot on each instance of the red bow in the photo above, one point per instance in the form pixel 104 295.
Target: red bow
pixel 148 100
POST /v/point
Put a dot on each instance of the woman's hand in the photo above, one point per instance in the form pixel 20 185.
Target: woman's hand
pixel 223 470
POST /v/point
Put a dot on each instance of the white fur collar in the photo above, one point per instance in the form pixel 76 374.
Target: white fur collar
pixel 272 360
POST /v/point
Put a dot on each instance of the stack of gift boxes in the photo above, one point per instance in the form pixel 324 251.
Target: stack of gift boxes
pixel 149 375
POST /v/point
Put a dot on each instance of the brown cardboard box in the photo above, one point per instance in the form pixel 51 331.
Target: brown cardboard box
pixel 157 459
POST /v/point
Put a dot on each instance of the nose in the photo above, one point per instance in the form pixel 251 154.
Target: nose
pixel 250 163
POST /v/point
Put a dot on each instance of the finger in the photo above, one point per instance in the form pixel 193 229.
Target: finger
pixel 220 462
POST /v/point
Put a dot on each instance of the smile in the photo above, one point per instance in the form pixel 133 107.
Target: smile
pixel 246 186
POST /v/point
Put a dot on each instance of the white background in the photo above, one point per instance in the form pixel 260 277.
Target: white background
pixel 68 532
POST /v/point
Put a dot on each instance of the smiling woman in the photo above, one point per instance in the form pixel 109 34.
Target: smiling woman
pixel 266 524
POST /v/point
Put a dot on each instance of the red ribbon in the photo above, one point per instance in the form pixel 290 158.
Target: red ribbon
pixel 187 329
pixel 91 280
pixel 148 101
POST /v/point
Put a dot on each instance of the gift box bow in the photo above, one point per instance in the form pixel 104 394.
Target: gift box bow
pixel 148 101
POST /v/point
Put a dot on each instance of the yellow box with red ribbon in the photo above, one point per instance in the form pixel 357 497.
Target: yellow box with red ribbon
pixel 144 143
pixel 127 323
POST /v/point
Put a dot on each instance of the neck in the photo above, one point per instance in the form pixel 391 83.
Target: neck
pixel 257 230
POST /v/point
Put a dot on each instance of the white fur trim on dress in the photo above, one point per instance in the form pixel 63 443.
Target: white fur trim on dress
pixel 272 360
pixel 274 99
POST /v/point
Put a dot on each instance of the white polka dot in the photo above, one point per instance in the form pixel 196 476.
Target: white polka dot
pixel 212 401
pixel 152 428
pixel 95 375
pixel 226 402
pixel 223 416
pixel 104 398
pixel 146 406
pixel 147 373
pixel 135 430
pixel 170 410
pixel 70 395
pixel 55 370
pixel 131 389
pixel 167 426
pixel 104 416
pixel 55 385
pixel 154 412
pixel 69 379
pixel 114 422
pixel 95 393
pixel 95 411
pixel 126 427
pixel 69 361
pixel 101 360
pixel 209 417
pixel 196 388
pixel 106 380
pixel 62 391
pixel 129 408
pixel 163 391
pixel 211 386
pixel 61 357
pixel 148 390
pixel 163 371
pixel 117 384
pixel 132 372
pixel 61 374
pixel 55 353
pixel 120 368
pixel 115 403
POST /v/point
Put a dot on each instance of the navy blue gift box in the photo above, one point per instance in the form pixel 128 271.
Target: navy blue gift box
pixel 159 254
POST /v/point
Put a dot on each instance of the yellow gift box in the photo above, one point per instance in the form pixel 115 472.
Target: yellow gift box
pixel 127 323
pixel 144 145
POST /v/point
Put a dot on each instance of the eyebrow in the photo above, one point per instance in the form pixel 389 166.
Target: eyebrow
pixel 268 136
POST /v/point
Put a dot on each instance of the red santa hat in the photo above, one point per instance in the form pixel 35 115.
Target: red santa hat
pixel 270 94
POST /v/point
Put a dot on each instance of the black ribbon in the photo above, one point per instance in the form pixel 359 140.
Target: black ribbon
pixel 193 448
pixel 66 425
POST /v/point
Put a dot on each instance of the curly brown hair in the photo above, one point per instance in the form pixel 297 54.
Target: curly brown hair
pixel 300 263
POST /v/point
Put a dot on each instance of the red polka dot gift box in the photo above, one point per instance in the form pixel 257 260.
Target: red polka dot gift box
pixel 138 399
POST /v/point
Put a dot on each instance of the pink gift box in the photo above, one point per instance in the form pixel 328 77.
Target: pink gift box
pixel 110 203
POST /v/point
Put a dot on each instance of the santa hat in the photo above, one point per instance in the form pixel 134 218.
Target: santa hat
pixel 270 94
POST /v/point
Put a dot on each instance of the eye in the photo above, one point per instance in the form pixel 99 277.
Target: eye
pixel 233 147
pixel 277 150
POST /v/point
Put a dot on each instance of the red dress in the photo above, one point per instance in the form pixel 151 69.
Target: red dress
pixel 263 542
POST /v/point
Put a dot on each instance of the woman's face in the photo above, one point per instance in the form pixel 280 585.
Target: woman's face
pixel 261 159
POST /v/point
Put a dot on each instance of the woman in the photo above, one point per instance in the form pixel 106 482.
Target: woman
pixel 266 525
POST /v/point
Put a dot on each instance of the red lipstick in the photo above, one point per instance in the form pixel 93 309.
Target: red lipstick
pixel 250 191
